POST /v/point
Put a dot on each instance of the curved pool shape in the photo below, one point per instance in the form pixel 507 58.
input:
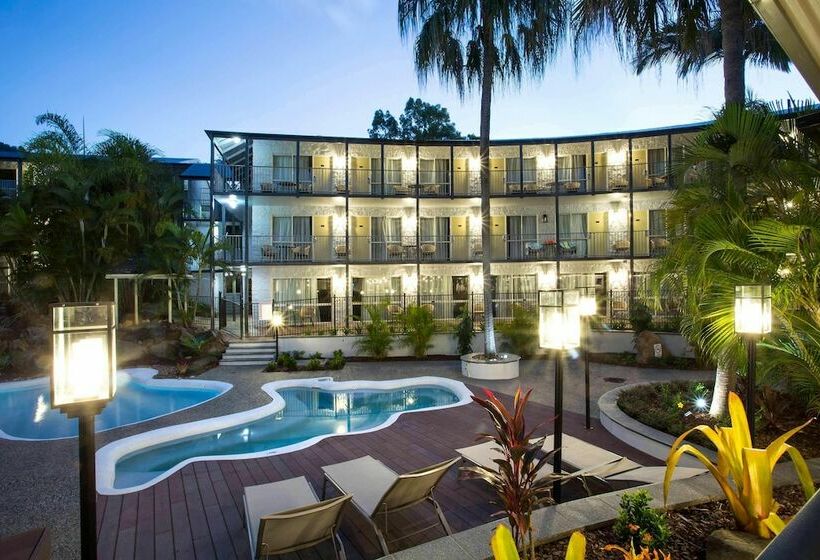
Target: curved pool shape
pixel 26 413
pixel 301 413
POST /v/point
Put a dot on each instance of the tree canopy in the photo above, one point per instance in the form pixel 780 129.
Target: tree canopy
pixel 419 121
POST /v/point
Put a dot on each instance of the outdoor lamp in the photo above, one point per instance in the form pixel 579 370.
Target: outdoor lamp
pixel 587 307
pixel 753 319
pixel 274 319
pixel 83 380
pixel 559 329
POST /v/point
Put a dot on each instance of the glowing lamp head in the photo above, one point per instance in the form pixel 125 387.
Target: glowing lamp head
pixel 84 354
pixel 588 303
pixel 701 404
pixel 277 319
pixel 753 309
pixel 559 319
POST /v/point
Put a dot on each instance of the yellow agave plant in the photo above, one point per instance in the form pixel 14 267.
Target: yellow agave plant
pixel 644 554
pixel 743 472
pixel 503 545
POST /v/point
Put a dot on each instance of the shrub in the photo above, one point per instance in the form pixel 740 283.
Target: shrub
pixel 286 361
pixel 640 317
pixel 314 362
pixel 521 333
pixel 638 525
pixel 464 333
pixel 337 361
pixel 419 328
pixel 377 340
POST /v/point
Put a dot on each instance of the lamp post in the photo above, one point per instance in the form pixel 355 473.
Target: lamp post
pixel 274 319
pixel 753 319
pixel 559 329
pixel 587 307
pixel 83 380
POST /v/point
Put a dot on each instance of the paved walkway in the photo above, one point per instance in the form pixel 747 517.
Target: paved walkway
pixel 39 481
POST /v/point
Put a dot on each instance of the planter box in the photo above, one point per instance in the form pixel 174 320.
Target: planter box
pixel 503 367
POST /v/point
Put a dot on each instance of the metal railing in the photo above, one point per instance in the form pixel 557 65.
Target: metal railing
pixel 8 187
pixel 651 176
pixel 340 315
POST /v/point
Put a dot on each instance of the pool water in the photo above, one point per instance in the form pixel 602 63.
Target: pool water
pixel 308 413
pixel 26 413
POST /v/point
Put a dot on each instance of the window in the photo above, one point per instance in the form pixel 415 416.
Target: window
pixel 292 228
pixel 284 168
pixel 529 170
pixel 392 171
pixel 513 170
pixel 657 223
pixel 434 171
pixel 656 158
pixel 293 289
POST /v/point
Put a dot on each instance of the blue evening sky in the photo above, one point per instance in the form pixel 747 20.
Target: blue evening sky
pixel 166 70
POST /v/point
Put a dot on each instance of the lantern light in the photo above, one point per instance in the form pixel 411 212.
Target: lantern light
pixel 84 352
pixel 753 309
pixel 588 303
pixel 559 319
pixel 277 320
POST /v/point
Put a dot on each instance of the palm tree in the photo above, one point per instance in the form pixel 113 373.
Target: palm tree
pixel 690 33
pixel 476 45
pixel 745 213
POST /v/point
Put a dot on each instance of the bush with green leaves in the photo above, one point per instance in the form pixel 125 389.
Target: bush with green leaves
pixel 419 328
pixel 640 317
pixel 337 361
pixel 464 333
pixel 521 334
pixel 638 524
pixel 314 362
pixel 378 339
pixel 287 361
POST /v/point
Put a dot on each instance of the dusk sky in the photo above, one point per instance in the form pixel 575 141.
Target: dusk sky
pixel 166 70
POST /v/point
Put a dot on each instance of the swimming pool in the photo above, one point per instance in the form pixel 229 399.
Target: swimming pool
pixel 302 412
pixel 26 413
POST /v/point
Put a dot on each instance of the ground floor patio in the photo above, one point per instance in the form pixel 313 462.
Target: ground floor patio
pixel 197 512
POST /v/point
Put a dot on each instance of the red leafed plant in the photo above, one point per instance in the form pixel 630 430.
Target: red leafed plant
pixel 518 483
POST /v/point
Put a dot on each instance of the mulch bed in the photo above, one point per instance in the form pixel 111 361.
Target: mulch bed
pixel 689 528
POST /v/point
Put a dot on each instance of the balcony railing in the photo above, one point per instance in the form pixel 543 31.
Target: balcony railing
pixel 647 176
pixel 455 248
pixel 8 187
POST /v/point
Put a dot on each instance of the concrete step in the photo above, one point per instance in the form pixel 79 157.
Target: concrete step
pixel 258 344
pixel 231 351
pixel 259 363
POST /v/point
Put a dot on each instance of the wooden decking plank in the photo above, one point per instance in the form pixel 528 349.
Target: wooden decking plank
pixel 181 525
pixel 107 540
pixel 217 528
pixel 144 545
pixel 163 526
pixel 198 521
pixel 127 531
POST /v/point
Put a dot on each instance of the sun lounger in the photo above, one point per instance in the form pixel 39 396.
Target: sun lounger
pixel 653 475
pixel 378 490
pixel 285 516
pixel 577 456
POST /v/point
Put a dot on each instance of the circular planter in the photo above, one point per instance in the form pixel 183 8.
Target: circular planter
pixel 505 366
pixel 638 435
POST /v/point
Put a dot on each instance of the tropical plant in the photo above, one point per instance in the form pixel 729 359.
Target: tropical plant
pixel 337 361
pixel 745 212
pixel 477 45
pixel 743 472
pixel 521 334
pixel 183 364
pixel 638 524
pixel 503 545
pixel 644 554
pixel 377 339
pixel 693 35
pixel 418 329
pixel 519 485
pixel 640 317
pixel 314 362
pixel 464 333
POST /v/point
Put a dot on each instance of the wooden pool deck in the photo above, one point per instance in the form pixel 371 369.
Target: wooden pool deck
pixel 197 512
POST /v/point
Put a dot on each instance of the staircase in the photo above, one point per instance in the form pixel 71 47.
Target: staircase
pixel 248 353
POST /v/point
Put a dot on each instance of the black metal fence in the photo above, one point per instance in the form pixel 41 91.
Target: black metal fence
pixel 339 315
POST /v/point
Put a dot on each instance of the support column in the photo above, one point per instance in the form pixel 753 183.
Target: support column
pixel 136 301
pixel 347 233
pixel 211 273
pixel 170 303
pixel 418 236
pixel 116 302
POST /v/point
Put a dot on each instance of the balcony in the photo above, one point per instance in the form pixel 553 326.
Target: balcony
pixel 651 176
pixel 573 180
pixel 599 244
pixel 650 244
pixel 611 178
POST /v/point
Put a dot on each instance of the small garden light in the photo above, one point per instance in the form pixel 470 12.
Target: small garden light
pixel 275 319
pixel 83 380
pixel 753 319
pixel 559 329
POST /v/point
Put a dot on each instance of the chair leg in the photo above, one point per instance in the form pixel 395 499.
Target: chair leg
pixel 339 546
pixel 380 535
pixel 441 517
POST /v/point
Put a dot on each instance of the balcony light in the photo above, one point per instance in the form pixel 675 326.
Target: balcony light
pixel 233 201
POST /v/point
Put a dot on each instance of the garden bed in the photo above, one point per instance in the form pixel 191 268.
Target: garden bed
pixel 689 528
pixel 671 408
pixel 630 359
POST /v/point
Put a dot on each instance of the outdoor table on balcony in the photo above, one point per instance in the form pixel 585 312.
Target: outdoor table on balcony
pixel 409 250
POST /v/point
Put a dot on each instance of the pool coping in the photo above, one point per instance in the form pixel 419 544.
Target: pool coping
pixel 142 376
pixel 107 456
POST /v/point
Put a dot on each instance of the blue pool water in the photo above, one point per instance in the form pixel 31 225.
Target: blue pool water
pixel 25 408
pixel 308 413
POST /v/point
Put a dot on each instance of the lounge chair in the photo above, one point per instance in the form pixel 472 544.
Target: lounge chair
pixel 584 459
pixel 395 250
pixel 378 491
pixel 568 247
pixel 654 475
pixel 286 516
pixel 427 250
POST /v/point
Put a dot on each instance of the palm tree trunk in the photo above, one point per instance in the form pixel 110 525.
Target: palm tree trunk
pixel 734 40
pixel 724 382
pixel 484 176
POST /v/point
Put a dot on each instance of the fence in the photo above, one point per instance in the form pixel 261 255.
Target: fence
pixel 340 315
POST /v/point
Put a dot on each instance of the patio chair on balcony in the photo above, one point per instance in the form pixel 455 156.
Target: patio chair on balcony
pixel 287 516
pixel 394 310
pixel 402 190
pixel 657 181
pixel 340 250
pixel 620 246
pixel 268 252
pixel 300 252
pixel 379 491
pixel 427 250
pixel 534 249
pixel 658 245
pixel 307 314
pixel 266 187
pixel 572 186
pixel 395 250
pixel 477 250
pixel 568 247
